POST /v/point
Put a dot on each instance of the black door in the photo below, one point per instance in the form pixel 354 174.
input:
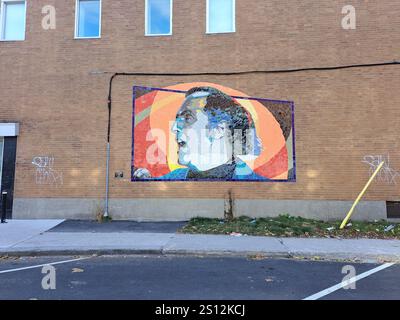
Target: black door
pixel 8 172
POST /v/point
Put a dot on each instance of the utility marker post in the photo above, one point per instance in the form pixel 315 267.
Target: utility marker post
pixel 360 195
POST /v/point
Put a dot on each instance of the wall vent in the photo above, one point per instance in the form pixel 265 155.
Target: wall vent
pixel 393 209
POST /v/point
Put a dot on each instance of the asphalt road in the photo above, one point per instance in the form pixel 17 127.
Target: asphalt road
pixel 174 277
pixel 118 226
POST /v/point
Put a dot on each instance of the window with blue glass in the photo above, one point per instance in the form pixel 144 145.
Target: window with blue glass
pixel 88 19
pixel 158 17
pixel 12 20
pixel 220 16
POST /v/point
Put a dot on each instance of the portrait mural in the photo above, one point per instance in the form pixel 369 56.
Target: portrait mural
pixel 208 132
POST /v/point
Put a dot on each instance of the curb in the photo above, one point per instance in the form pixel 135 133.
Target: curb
pixel 79 252
pixel 368 258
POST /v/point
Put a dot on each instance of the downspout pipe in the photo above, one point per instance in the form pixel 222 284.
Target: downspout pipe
pixel 106 205
pixel 109 103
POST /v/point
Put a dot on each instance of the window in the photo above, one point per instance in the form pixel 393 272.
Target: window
pixel 158 17
pixel 12 20
pixel 220 16
pixel 88 19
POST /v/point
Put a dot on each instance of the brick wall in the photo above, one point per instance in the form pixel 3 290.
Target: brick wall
pixel 48 85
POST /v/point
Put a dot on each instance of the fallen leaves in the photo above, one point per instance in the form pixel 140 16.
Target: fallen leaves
pixel 288 226
pixel 6 257
pixel 258 257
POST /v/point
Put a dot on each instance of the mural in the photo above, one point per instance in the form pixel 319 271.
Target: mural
pixel 207 132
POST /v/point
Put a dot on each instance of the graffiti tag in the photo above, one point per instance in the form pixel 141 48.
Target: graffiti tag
pixel 386 174
pixel 45 174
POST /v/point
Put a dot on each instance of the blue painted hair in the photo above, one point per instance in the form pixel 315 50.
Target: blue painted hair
pixel 220 107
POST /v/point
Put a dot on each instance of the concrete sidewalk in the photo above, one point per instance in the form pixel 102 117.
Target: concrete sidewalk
pixel 16 231
pixel 81 243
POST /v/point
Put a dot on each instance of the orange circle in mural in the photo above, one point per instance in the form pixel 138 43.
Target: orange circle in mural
pixel 160 113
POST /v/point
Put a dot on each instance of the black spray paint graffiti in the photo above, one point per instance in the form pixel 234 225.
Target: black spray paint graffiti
pixel 45 174
pixel 386 174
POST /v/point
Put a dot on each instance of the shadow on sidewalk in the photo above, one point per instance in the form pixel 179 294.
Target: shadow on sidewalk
pixel 118 226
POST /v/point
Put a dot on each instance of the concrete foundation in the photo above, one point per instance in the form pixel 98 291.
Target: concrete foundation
pixel 184 209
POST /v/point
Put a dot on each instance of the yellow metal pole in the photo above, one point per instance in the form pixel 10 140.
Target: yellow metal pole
pixel 360 195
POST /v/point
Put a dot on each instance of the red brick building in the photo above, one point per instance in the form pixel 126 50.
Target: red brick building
pixel 57 58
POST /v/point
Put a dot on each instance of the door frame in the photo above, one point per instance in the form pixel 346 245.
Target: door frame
pixel 9 131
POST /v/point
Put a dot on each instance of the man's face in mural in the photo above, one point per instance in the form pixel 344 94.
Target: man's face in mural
pixel 201 145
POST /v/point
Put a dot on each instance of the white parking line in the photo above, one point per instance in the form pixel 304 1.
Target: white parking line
pixel 42 265
pixel 346 283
